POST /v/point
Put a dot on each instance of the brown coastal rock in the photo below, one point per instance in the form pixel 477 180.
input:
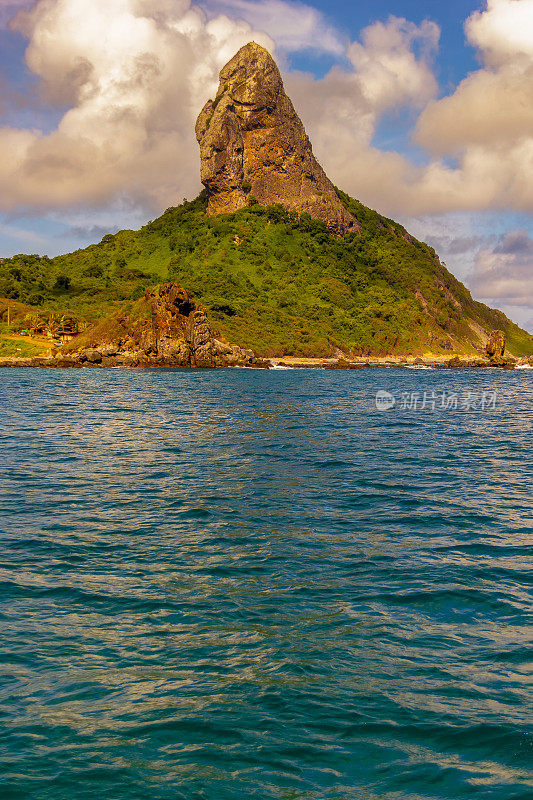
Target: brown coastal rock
pixel 253 144
pixel 167 329
pixel 180 333
pixel 496 345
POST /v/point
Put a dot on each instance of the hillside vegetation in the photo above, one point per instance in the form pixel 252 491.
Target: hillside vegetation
pixel 273 281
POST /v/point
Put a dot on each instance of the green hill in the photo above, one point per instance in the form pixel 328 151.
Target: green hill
pixel 273 281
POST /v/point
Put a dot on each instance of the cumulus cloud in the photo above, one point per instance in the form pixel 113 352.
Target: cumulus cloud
pixel 488 110
pixel 503 274
pixel 342 110
pixel 488 121
pixel 386 68
pixel 135 73
pixel 293 26
pixel 503 32
pixel 478 140
pixel 492 107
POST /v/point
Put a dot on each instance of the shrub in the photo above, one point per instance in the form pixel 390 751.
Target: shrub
pixel 62 283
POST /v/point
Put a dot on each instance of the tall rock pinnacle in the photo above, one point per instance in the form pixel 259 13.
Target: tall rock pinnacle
pixel 252 142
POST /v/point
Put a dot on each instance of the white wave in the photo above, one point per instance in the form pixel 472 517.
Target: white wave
pixel 417 366
pixel 523 366
pixel 279 366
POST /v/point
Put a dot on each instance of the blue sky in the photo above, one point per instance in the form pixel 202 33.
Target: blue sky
pixel 455 59
pixel 422 110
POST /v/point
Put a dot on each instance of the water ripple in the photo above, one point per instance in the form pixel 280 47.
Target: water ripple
pixel 253 584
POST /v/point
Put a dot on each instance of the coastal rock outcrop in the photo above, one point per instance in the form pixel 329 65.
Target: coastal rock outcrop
pixel 495 351
pixel 495 347
pixel 254 145
pixel 166 328
pixel 181 332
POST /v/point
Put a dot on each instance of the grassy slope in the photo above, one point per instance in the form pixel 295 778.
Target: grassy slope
pixel 272 282
pixel 18 347
pixel 12 344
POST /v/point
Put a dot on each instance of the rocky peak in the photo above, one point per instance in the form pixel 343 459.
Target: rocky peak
pixel 253 144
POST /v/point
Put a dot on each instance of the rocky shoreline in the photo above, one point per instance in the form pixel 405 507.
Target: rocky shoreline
pixel 167 329
pixel 408 363
pixel 107 357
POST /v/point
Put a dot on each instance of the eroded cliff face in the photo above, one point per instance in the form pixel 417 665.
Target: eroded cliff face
pixel 495 347
pixel 252 143
pixel 182 333
pixel 165 328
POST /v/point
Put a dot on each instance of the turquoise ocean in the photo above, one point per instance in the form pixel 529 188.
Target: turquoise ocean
pixel 255 584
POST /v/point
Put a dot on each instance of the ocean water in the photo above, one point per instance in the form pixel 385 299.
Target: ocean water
pixel 251 584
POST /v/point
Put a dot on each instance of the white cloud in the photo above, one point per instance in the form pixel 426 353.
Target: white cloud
pixel 386 68
pixel 503 32
pixel 503 274
pixel 342 110
pixel 135 74
pixel 486 124
pixel 488 109
pixel 293 26
pixel 495 104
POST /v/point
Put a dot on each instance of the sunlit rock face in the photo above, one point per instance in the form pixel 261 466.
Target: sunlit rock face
pixel 496 345
pixel 253 144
